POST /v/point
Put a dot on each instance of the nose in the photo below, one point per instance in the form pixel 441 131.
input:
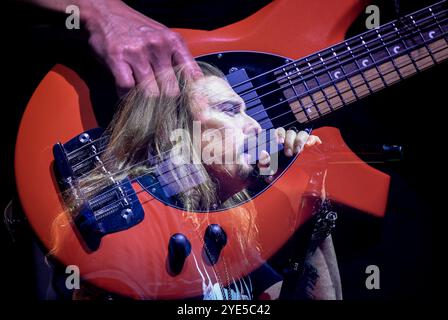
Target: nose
pixel 251 126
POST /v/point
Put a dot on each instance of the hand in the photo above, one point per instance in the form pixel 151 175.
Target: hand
pixel 293 143
pixel 137 49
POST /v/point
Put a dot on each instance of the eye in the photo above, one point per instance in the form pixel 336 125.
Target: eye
pixel 229 108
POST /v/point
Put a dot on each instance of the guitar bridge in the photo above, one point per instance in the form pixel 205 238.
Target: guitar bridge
pixel 115 207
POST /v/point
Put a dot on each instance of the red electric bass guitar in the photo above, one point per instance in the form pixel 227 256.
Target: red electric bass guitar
pixel 291 64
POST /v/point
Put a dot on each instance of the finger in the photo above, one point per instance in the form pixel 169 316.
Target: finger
pixel 183 57
pixel 269 176
pixel 289 142
pixel 144 75
pixel 300 141
pixel 166 78
pixel 124 79
pixel 266 172
pixel 313 140
pixel 280 135
pixel 264 160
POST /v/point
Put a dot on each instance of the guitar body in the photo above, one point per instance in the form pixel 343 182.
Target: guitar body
pixel 133 262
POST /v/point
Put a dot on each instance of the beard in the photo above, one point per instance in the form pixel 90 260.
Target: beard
pixel 244 169
pixel 240 170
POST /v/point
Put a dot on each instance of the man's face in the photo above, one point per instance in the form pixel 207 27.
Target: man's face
pixel 224 127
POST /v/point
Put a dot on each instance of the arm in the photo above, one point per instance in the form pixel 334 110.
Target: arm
pixel 137 49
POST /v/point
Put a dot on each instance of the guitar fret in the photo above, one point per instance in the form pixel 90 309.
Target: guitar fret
pixel 354 95
pixel 354 68
pixel 390 76
pixel 434 22
pixel 435 19
pixel 422 64
pixel 358 68
pixel 417 40
pixel 338 97
pixel 318 86
pixel 296 94
pixel 308 100
pixel 409 69
pixel 383 84
pixel 440 55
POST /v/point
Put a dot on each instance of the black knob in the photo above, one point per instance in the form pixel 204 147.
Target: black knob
pixel 179 248
pixel 215 239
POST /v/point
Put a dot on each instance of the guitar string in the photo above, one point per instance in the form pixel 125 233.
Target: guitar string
pixel 228 284
pixel 324 99
pixel 441 4
pixel 361 83
pixel 321 67
pixel 316 90
pixel 325 64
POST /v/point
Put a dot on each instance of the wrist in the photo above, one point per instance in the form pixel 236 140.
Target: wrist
pixel 95 13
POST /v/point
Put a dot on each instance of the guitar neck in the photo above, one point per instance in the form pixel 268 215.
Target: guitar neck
pixel 351 70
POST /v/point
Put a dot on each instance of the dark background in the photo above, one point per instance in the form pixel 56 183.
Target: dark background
pixel 403 244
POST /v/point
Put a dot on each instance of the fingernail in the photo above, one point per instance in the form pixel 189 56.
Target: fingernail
pixel 288 152
pixel 264 158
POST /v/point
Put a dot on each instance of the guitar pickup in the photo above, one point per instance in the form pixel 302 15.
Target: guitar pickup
pixel 108 212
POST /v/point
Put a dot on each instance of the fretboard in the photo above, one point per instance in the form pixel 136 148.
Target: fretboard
pixel 351 70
